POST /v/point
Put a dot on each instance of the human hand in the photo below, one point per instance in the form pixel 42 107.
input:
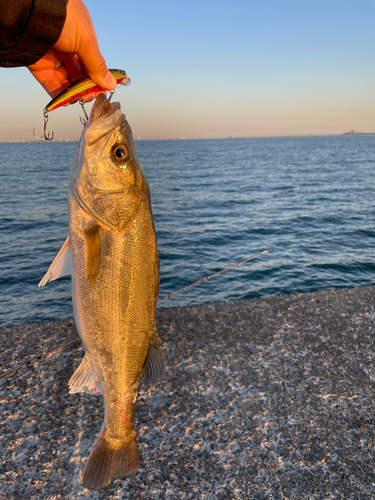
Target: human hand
pixel 75 54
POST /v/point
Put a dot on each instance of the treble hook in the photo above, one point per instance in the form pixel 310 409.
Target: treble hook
pixel 49 136
pixel 83 120
pixel 110 95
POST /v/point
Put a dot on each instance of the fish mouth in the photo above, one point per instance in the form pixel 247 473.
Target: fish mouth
pixel 105 116
pixel 102 107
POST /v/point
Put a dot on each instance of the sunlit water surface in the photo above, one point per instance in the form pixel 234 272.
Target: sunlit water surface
pixel 308 201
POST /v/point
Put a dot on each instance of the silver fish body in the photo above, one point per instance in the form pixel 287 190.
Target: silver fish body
pixel 113 256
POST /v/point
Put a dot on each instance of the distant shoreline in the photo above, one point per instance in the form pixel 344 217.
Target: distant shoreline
pixel 139 139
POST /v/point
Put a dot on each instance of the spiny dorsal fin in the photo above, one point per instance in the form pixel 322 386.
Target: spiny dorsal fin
pixel 154 368
pixel 84 380
pixel 61 265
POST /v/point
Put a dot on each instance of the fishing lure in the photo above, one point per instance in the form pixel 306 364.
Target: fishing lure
pixel 75 92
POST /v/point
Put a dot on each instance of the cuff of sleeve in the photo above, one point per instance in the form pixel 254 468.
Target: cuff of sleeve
pixel 42 32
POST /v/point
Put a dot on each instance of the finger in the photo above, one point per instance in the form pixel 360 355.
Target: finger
pixel 96 67
pixel 90 97
pixel 48 61
pixel 50 81
pixel 62 74
pixel 50 72
pixel 74 68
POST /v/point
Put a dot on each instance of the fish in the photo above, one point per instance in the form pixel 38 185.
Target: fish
pixel 111 254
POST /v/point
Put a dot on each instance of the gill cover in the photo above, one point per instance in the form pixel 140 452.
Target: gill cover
pixel 106 177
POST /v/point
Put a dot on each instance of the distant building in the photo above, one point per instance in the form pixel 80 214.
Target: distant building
pixel 355 132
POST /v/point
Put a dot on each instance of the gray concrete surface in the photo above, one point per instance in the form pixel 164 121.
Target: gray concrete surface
pixel 263 399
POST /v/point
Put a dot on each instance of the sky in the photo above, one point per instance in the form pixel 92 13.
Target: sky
pixel 212 69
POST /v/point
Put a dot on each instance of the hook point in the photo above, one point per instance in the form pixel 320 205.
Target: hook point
pixel 83 120
pixel 49 136
pixel 36 137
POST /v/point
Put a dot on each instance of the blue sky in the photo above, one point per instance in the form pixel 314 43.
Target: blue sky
pixel 218 69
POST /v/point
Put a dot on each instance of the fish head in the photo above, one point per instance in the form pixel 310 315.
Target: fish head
pixel 106 177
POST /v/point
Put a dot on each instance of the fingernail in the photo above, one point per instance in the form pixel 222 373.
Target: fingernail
pixel 110 81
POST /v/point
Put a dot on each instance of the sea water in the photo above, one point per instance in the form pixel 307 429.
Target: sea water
pixel 308 201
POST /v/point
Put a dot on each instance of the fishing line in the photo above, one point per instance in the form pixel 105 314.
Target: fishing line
pixel 36 358
pixel 33 360
pixel 213 275
pixel 14 154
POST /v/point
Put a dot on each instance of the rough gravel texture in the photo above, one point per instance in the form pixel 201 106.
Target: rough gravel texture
pixel 263 399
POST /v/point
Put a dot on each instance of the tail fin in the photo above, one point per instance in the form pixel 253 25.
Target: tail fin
pixel 108 461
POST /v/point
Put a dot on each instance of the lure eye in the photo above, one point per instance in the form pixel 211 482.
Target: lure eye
pixel 120 153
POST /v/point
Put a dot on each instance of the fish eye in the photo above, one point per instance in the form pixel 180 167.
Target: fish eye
pixel 120 153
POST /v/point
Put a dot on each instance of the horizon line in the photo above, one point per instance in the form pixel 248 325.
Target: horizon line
pixel 140 139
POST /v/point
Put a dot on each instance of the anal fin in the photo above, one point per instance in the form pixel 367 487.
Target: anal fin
pixel 84 380
pixel 154 368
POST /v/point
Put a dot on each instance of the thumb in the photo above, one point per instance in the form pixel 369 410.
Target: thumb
pixel 95 66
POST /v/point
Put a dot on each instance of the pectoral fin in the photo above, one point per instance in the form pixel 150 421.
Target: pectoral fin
pixel 92 255
pixel 154 368
pixel 61 265
pixel 84 379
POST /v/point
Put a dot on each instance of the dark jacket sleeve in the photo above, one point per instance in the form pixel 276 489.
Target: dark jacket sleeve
pixel 28 29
